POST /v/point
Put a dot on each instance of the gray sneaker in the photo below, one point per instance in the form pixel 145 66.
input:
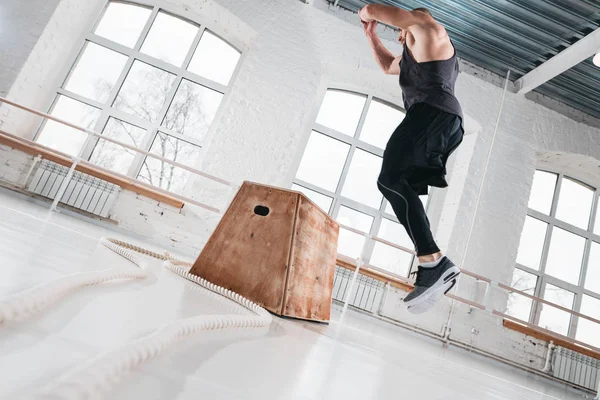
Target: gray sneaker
pixel 430 285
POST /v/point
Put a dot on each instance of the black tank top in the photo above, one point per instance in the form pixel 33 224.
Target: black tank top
pixel 430 82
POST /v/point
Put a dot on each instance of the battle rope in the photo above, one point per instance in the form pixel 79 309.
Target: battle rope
pixel 97 376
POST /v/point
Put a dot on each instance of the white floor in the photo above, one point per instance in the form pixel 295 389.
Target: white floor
pixel 357 358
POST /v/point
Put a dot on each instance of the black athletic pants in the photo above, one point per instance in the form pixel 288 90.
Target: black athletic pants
pixel 415 158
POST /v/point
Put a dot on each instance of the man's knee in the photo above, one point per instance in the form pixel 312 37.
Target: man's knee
pixel 383 183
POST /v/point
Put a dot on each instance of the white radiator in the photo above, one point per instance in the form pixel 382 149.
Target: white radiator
pixel 367 292
pixel 576 368
pixel 84 192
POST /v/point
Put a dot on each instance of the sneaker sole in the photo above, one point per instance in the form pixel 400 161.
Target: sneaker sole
pixel 440 284
pixel 433 299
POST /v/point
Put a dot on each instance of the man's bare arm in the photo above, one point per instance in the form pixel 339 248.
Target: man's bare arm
pixel 389 63
pixel 388 15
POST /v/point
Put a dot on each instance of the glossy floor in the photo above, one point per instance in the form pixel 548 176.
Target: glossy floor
pixel 354 357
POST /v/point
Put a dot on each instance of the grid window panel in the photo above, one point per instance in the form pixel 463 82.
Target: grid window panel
pixel 123 23
pixel 532 242
pixel 391 259
pixel 342 161
pixel 575 203
pixel 349 243
pixel 323 161
pixel 96 72
pixel 214 59
pixel 380 123
pixel 131 78
pixel 170 39
pixel 395 233
pixel 518 305
pixel 592 277
pixel 166 176
pixel 112 156
pixel 589 331
pixel 552 318
pixel 341 111
pixel 63 138
pixel 193 110
pixel 355 219
pixel 361 183
pixel 566 267
pixel 542 191
pixel 145 91
pixel 565 255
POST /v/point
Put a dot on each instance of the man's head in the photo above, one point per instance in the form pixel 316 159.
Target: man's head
pixel 403 32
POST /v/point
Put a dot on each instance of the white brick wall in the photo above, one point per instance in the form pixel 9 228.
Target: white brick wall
pixel 14 165
pixel 294 52
pixel 21 24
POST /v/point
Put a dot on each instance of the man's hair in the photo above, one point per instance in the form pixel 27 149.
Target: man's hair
pixel 422 9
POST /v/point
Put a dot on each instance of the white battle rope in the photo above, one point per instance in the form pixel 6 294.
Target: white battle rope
pixel 95 378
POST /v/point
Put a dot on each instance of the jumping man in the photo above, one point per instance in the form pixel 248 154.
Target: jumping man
pixel 416 154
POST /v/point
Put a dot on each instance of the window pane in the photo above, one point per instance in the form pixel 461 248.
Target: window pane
pixel 361 182
pixel 518 305
pixel 391 259
pixel 323 161
pixel 96 72
pixel 341 111
pixel 169 39
pixel 592 278
pixel 164 175
pixel 574 203
pixel 542 191
pixel 423 198
pixel 115 157
pixel 552 318
pixel 380 122
pixel 324 202
pixel 354 219
pixel 192 110
pixel 145 91
pixel 395 233
pixel 589 331
pixel 63 138
pixel 123 23
pixel 565 255
pixel 351 244
pixel 214 59
pixel 532 243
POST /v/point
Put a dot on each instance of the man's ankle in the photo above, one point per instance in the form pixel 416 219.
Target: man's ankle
pixel 429 258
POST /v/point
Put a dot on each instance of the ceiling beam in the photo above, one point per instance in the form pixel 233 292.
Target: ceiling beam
pixel 569 57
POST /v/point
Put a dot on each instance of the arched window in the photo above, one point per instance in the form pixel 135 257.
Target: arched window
pixel 559 257
pixel 150 79
pixel 339 170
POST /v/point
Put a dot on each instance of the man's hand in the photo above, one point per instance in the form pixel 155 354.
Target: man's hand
pixel 370 28
pixel 364 15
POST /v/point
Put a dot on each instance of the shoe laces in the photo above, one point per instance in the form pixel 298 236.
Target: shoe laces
pixel 419 278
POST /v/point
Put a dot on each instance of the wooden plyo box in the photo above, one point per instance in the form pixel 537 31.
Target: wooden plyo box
pixel 276 248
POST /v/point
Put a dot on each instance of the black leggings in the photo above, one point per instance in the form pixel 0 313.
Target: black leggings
pixel 415 158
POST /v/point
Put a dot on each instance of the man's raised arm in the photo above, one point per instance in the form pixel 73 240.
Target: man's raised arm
pixel 388 15
pixel 389 63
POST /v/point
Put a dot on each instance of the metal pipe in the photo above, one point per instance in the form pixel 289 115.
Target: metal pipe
pixel 108 139
pixel 487 162
pixel 35 162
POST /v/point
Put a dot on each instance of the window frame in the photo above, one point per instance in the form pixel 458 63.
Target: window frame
pixel 543 279
pixel 134 54
pixel 355 143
